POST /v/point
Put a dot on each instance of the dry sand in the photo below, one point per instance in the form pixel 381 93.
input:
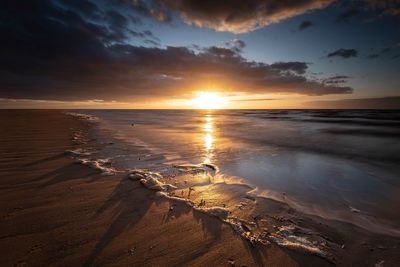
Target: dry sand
pixel 55 212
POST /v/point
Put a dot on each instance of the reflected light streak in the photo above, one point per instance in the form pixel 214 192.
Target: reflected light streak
pixel 208 139
pixel 208 142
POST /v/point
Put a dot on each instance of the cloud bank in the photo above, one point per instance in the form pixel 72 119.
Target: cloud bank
pixel 389 7
pixel 74 50
pixel 240 16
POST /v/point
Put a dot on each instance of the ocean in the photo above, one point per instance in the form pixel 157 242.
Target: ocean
pixel 341 165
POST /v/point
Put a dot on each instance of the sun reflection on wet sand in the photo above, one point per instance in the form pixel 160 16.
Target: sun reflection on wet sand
pixel 208 129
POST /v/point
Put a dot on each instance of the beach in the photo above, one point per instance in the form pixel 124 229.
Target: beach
pixel 200 133
pixel 56 211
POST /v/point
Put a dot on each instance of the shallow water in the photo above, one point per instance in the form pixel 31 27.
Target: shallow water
pixel 342 165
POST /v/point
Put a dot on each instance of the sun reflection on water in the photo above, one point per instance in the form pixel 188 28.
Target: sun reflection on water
pixel 208 129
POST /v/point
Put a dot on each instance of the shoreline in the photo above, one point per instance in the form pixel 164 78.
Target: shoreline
pixel 57 212
pixel 291 229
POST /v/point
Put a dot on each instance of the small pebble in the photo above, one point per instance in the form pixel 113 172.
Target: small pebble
pixel 132 250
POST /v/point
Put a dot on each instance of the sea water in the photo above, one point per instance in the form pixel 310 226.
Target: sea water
pixel 338 164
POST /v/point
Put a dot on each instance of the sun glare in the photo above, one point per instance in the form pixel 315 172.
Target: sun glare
pixel 208 100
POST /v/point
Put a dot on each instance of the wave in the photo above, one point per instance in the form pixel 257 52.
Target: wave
pixel 172 182
pixel 99 164
pixel 353 122
pixel 365 132
pixel 81 156
pixel 151 180
pixel 196 168
pixel 289 236
pixel 79 152
pixel 82 116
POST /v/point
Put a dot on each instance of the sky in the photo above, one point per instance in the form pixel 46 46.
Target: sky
pixel 199 53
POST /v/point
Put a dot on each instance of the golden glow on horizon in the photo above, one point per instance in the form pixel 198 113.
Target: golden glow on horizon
pixel 217 99
pixel 208 100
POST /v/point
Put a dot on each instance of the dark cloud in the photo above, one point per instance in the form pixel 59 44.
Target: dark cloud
pixel 50 51
pixel 373 56
pixel 305 24
pixel 150 8
pixel 237 15
pixel 118 24
pixel 240 16
pixel 344 53
pixel 236 45
pixel 386 50
pixel 338 79
pixel 83 7
pixel 221 52
pixel 389 7
pixel 117 20
pixel 347 15
pixel 295 67
pixel 147 35
pixel 383 52
pixel 152 42
pixel 135 20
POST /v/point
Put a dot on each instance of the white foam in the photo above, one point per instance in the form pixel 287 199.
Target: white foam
pixel 90 118
pixel 102 165
pixel 79 138
pixel 150 180
pixel 242 228
pixel 99 164
pixel 79 152
pixel 354 209
pixel 286 237
pixel 136 174
pixel 196 168
pixel 221 213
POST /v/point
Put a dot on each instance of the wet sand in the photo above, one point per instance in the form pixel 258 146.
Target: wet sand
pixel 55 212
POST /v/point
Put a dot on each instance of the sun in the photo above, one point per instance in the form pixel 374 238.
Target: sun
pixel 208 100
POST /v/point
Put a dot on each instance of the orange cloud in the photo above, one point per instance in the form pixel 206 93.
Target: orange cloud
pixel 240 16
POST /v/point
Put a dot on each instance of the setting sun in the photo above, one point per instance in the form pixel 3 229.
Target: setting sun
pixel 208 100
